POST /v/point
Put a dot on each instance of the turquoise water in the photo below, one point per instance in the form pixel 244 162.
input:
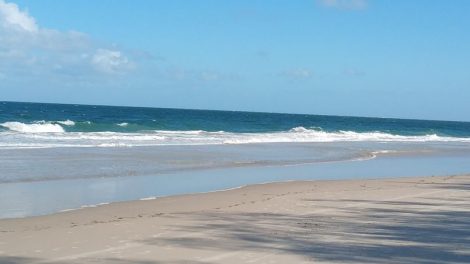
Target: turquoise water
pixel 31 125
pixel 55 157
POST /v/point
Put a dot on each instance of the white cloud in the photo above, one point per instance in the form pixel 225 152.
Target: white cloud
pixel 195 75
pixel 110 61
pixel 344 4
pixel 298 73
pixel 28 49
pixel 12 17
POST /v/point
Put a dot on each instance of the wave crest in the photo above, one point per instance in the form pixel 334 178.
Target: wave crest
pixel 32 136
pixel 67 122
pixel 42 127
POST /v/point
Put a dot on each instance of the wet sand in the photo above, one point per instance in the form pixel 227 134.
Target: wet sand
pixel 400 220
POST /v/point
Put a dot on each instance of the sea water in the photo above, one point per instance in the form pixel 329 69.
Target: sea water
pixel 55 157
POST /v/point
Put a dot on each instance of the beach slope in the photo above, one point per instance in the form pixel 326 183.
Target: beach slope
pixel 401 220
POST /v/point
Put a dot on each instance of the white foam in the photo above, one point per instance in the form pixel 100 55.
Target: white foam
pixel 93 205
pixel 66 122
pixel 299 129
pixel 123 124
pixel 40 127
pixel 149 198
pixel 385 151
pixel 32 137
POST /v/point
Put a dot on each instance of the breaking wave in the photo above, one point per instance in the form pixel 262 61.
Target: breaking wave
pixel 52 134
pixel 39 127
pixel 67 122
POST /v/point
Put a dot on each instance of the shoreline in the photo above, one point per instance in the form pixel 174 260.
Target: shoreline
pixel 281 221
pixel 253 185
pixel 26 199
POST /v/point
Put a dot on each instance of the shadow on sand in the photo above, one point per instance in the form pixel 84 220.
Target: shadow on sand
pixel 433 231
pixel 437 231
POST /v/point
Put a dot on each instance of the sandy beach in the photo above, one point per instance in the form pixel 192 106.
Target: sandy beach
pixel 234 132
pixel 400 220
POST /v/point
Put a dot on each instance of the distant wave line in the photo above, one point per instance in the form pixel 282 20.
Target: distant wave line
pixel 46 135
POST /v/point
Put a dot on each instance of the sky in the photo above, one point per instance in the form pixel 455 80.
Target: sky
pixel 382 58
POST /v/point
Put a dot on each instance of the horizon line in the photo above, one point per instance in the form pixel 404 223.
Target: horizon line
pixel 240 111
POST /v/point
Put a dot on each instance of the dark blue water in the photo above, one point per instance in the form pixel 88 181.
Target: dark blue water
pixel 88 118
pixel 74 155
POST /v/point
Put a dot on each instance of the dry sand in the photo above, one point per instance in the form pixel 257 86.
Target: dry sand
pixel 402 220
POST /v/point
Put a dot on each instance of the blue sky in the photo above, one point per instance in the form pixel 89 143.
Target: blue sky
pixel 408 59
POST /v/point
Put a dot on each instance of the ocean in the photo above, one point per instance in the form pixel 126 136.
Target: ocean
pixel 38 125
pixel 55 157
